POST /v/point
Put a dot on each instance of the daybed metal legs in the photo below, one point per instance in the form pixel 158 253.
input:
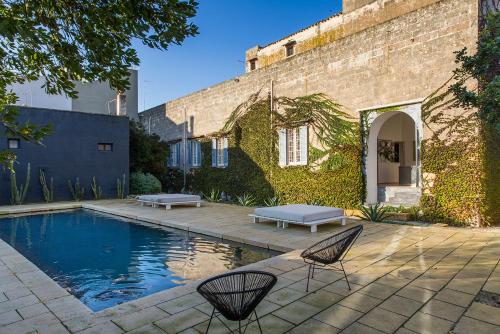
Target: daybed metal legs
pixel 239 323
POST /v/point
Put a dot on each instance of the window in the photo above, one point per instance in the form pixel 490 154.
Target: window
pixel 253 64
pixel 290 48
pixel 174 158
pixel 293 146
pixel 219 152
pixel 105 147
pixel 194 151
pixel 13 143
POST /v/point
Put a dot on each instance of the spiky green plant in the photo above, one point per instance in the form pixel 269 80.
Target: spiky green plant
pixel 214 196
pixel 120 187
pixel 96 189
pixel 48 190
pixel 246 200
pixel 272 201
pixel 374 212
pixel 18 195
pixel 77 191
pixel 314 202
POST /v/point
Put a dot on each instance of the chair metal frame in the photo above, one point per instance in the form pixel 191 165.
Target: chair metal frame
pixel 259 297
pixel 325 265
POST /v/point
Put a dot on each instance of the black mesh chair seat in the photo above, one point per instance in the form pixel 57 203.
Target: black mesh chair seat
pixel 236 295
pixel 331 250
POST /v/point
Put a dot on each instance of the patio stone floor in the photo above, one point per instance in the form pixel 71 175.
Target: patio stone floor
pixel 404 279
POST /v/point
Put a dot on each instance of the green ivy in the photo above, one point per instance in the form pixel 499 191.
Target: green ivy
pixel 253 163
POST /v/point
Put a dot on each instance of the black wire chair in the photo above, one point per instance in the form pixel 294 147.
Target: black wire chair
pixel 331 250
pixel 235 295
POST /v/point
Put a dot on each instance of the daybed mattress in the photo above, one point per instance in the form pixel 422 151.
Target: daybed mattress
pixel 169 198
pixel 299 212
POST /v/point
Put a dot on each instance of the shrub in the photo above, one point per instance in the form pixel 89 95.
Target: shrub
pixel 374 213
pixel 141 183
pixel 213 196
pixel 120 187
pixel 77 191
pixel 48 190
pixel 272 201
pixel 96 189
pixel 246 200
pixel 18 194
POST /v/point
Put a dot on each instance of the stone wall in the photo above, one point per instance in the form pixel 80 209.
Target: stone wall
pixel 350 5
pixel 402 59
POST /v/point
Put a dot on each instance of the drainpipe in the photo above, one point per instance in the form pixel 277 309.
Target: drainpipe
pixel 271 107
pixel 184 140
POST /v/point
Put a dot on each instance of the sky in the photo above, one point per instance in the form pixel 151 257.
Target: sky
pixel 227 28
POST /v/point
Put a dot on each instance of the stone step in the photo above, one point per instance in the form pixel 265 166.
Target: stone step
pixel 399 195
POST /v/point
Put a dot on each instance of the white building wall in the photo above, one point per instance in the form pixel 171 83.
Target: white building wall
pixel 31 94
pixel 93 97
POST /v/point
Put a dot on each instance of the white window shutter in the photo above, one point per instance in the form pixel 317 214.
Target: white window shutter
pixel 198 150
pixel 169 159
pixel 178 154
pixel 303 144
pixel 282 147
pixel 214 152
pixel 189 153
pixel 226 152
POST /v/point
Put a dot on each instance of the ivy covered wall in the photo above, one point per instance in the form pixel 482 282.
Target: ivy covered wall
pixel 253 165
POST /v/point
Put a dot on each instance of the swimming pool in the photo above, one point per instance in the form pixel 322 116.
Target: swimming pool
pixel 106 260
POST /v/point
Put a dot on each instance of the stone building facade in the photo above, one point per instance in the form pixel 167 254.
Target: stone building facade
pixel 404 55
pixel 376 54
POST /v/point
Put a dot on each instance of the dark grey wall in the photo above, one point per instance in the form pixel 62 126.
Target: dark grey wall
pixel 70 152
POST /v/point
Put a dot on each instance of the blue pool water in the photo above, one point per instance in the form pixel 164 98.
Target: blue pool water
pixel 105 260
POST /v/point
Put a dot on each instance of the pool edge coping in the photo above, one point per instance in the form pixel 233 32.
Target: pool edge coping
pixel 79 310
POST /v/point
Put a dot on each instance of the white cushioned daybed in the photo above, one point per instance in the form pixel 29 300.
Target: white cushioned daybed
pixel 168 200
pixel 301 214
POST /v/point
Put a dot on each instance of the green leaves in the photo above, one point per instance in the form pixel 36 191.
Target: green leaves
pixel 374 213
pixel 64 42
pixel 148 153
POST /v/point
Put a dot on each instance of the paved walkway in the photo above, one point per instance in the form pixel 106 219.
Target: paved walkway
pixel 404 279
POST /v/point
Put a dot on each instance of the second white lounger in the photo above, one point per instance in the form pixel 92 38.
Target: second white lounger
pixel 301 214
pixel 168 200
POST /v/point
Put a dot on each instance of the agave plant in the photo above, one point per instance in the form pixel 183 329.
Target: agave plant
pixel 272 201
pixel 314 202
pixel 374 213
pixel 214 196
pixel 246 200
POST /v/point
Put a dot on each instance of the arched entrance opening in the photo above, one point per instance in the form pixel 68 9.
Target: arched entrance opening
pixel 393 157
pixel 396 154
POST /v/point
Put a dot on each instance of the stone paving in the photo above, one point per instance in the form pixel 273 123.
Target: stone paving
pixel 404 279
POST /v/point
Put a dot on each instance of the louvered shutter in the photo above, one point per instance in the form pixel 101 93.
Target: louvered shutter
pixel 198 149
pixel 226 152
pixel 189 152
pixel 178 145
pixel 169 158
pixel 214 152
pixel 303 144
pixel 282 147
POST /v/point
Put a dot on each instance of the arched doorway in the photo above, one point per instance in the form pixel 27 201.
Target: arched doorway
pixel 392 157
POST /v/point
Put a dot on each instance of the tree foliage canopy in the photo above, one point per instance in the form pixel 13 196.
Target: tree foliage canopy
pixel 148 154
pixel 66 41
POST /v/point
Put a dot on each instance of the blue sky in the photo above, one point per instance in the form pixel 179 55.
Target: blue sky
pixel 227 28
